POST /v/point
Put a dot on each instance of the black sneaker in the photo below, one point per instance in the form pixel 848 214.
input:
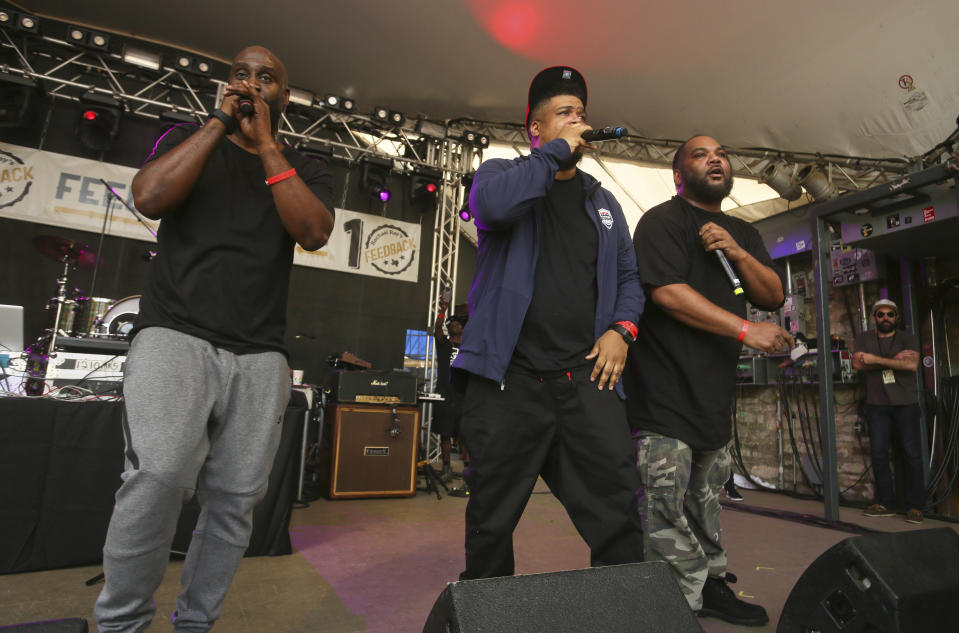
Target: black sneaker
pixel 719 601
pixel 732 493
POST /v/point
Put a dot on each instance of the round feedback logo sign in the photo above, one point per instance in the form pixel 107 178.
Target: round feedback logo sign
pixel 15 179
pixel 389 249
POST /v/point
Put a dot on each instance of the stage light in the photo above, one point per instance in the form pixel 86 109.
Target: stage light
pixel 336 102
pixel 816 184
pixel 380 114
pixel 316 150
pixel 780 180
pixel 428 128
pixel 17 94
pixel 89 39
pixel 194 65
pixel 476 139
pixel 465 214
pixel 6 18
pixel 375 177
pixel 424 186
pixel 99 120
pixel 27 22
pixel 467 181
pixel 176 116
pixel 141 58
pixel 397 118
pixel 300 97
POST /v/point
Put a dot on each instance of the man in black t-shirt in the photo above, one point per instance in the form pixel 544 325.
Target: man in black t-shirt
pixel 552 309
pixel 206 380
pixel 681 373
pixel 889 358
pixel 448 334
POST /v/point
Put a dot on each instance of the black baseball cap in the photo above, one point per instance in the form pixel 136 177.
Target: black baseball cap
pixel 554 79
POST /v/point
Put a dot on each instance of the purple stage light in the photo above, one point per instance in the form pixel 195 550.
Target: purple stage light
pixel 465 214
pixel 384 195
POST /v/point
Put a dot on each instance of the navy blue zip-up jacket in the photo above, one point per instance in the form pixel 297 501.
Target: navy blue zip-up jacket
pixel 506 199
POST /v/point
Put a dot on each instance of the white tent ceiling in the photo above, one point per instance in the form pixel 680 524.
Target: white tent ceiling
pixel 815 76
pixel 876 79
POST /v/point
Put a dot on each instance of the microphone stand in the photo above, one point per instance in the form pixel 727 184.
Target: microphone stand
pixel 139 216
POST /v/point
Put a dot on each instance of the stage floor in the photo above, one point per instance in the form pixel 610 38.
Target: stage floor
pixel 377 565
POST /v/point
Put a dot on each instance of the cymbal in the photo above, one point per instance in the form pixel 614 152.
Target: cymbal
pixel 56 248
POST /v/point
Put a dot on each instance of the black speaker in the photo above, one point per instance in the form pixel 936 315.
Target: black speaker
pixel 70 625
pixel 635 598
pixel 906 582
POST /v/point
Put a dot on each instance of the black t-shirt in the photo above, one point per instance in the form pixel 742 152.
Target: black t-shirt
pixel 905 389
pixel 558 330
pixel 446 351
pixel 223 261
pixel 683 378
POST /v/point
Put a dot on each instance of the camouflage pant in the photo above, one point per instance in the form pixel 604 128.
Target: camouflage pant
pixel 679 508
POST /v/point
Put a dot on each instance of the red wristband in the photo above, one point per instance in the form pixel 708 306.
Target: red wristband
pixel 629 325
pixel 742 332
pixel 272 180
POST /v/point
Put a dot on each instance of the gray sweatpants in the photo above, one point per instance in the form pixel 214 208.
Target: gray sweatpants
pixel 198 419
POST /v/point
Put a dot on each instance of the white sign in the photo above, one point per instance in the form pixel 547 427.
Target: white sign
pixel 60 190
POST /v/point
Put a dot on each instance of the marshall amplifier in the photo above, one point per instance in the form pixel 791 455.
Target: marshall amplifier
pixel 374 387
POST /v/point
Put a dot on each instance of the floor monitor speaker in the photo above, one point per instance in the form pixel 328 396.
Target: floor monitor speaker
pixel 904 582
pixel 635 598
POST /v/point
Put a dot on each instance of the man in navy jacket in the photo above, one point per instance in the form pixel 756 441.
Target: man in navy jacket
pixel 553 308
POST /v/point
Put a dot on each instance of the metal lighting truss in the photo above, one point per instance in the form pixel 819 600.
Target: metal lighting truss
pixel 67 71
pixel 846 173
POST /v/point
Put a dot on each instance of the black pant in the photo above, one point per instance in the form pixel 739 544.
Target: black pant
pixel 903 420
pixel 563 428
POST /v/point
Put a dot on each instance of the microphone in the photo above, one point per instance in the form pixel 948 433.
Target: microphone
pixel 733 279
pixel 245 105
pixel 604 134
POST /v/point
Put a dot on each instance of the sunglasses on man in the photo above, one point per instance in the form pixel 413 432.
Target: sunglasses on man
pixel 882 314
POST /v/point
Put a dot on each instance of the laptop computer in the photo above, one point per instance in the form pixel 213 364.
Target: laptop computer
pixel 11 328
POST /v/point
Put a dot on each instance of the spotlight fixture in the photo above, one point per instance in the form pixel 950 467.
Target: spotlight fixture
pixel 7 18
pixel 816 184
pixel 27 22
pixel 194 65
pixel 336 102
pixel 475 139
pixel 300 97
pixel 141 58
pixel 425 127
pixel 780 180
pixel 176 116
pixel 99 120
pixel 375 177
pixel 467 181
pixel 314 149
pixel 425 186
pixel 88 39
pixel 16 98
pixel 387 116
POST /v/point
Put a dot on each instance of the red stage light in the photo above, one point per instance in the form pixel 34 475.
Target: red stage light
pixel 431 188
pixel 90 115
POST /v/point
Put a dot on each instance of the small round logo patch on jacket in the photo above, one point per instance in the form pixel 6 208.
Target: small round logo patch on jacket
pixel 606 217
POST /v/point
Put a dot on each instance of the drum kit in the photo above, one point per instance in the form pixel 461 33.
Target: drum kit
pixel 71 313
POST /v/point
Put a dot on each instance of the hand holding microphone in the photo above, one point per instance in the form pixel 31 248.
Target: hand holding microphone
pixel 717 239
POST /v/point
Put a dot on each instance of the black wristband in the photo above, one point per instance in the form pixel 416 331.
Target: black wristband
pixel 224 119
pixel 626 334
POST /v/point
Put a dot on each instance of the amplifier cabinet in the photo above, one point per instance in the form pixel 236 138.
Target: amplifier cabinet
pixel 372 450
pixel 374 387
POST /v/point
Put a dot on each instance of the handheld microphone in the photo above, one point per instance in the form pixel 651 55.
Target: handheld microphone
pixel 604 134
pixel 733 279
pixel 246 105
